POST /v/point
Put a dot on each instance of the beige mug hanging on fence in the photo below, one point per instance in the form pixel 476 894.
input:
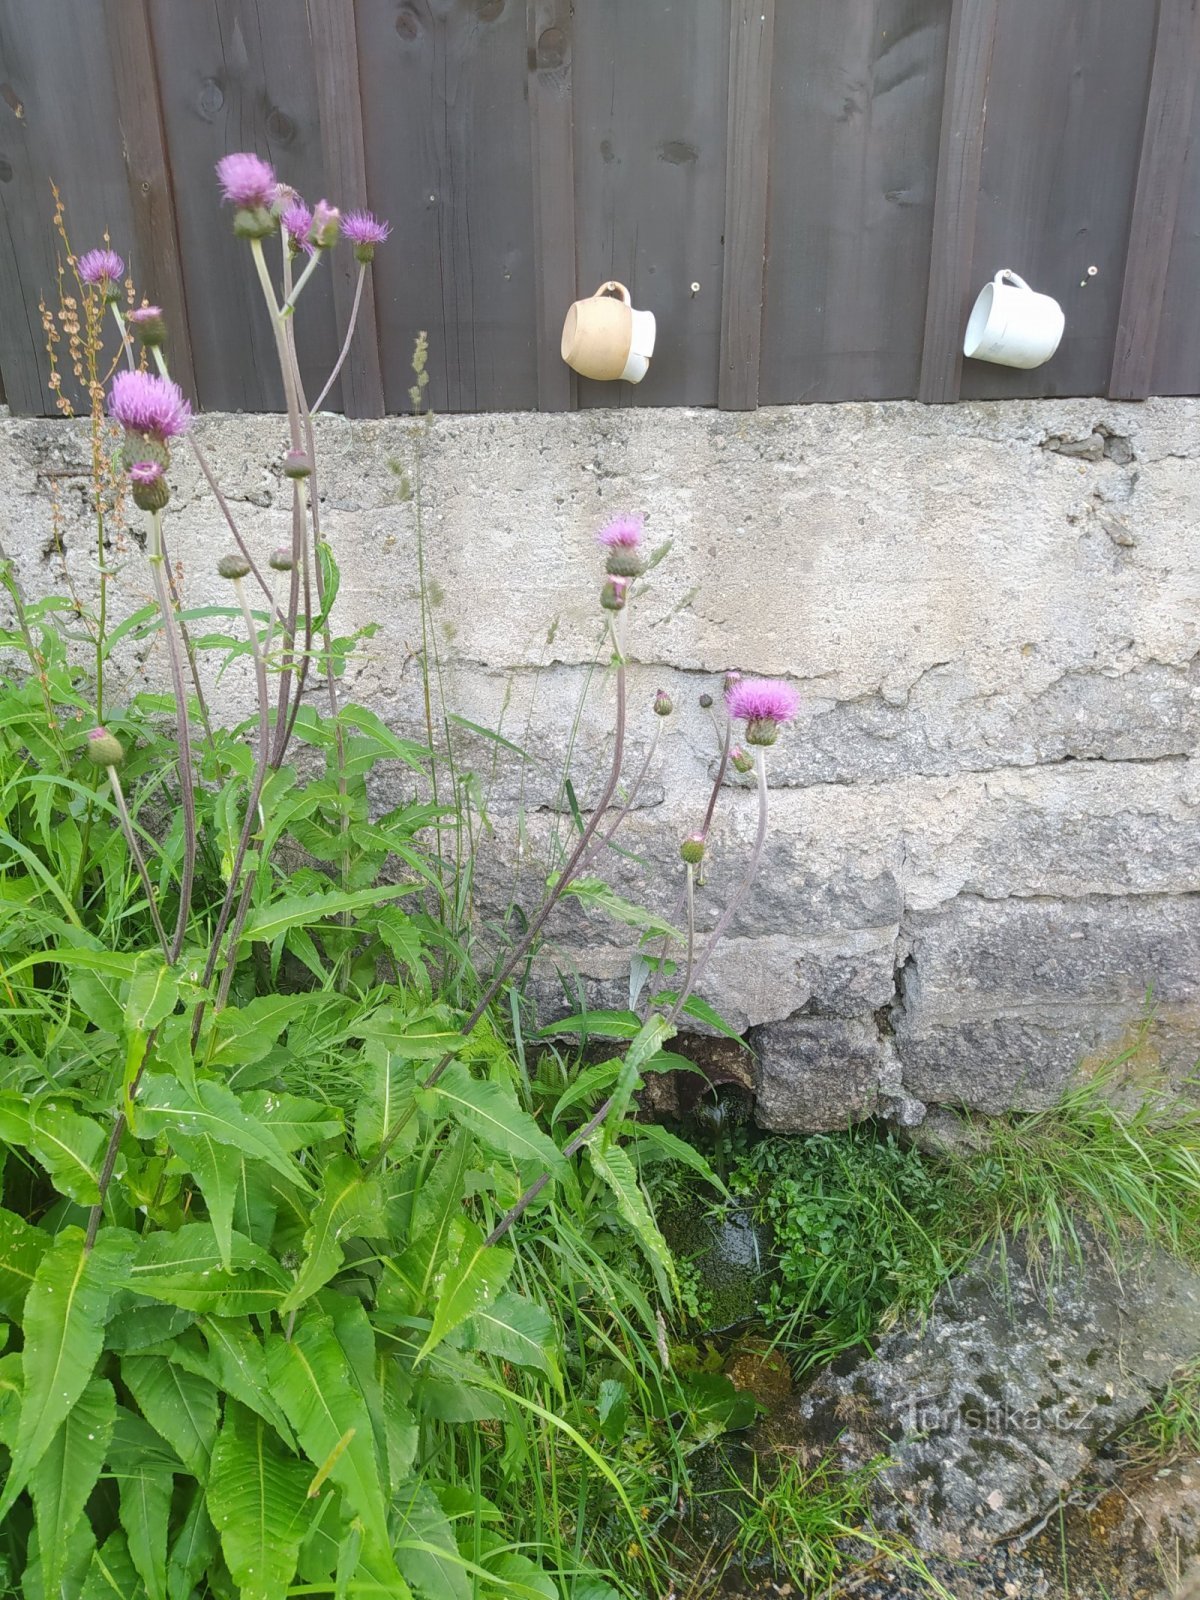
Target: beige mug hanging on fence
pixel 604 337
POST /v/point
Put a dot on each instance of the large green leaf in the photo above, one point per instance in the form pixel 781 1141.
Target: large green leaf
pixel 22 1246
pixel 69 1146
pixel 293 1121
pixel 112 1575
pixel 236 1362
pixel 425 1548
pixel 302 911
pixel 518 1331
pixel 595 892
pixel 153 991
pixel 180 1405
pixel 164 1105
pixel 348 1201
pixel 145 1511
pixel 218 1170
pixel 491 1112
pixel 64 1335
pixel 67 1473
pixel 185 1269
pixel 311 1379
pixel 617 1171
pixel 388 1090
pixel 192 1548
pixel 258 1500
pixel 650 1039
pixel 472 1279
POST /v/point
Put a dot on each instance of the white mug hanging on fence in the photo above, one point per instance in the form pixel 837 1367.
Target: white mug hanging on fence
pixel 1012 325
pixel 604 337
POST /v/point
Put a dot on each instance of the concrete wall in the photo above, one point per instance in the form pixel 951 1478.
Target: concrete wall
pixel 985 841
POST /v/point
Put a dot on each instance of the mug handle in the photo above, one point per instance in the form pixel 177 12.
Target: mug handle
pixel 1007 272
pixel 612 290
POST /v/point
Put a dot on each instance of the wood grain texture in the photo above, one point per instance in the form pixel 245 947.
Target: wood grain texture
pixel 58 121
pixel 1066 107
pixel 960 156
pixel 1166 144
pixel 1177 358
pixel 855 105
pixel 335 53
pixel 239 75
pixel 449 161
pixel 651 85
pixel 148 173
pixel 747 164
pixel 552 123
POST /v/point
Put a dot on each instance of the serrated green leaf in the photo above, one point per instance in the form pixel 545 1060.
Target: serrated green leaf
pixel 312 1381
pixel 471 1280
pixel 153 991
pixel 178 1404
pixel 164 1105
pixel 68 1145
pixel 237 1364
pixel 595 892
pixel 348 1201
pixel 191 1550
pixel 66 1475
pixel 112 1575
pixel 616 1170
pixel 22 1246
pixel 389 1082
pixel 184 1269
pixel 293 1121
pixel 668 1144
pixel 258 1500
pixel 425 1548
pixel 491 1112
pixel 596 1025
pixel 144 1508
pixel 303 911
pixel 217 1169
pixel 518 1331
pixel 64 1335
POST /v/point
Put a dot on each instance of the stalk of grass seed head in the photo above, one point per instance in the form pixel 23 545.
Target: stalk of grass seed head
pixel 614 598
pixel 104 749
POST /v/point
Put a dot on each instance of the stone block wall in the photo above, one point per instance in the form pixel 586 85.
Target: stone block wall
pixel 984 853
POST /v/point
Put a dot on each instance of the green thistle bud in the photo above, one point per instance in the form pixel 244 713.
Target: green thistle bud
pixel 705 702
pixel 624 563
pixel 692 849
pixel 662 704
pixel 742 762
pixel 614 594
pixel 148 486
pixel 233 565
pixel 280 560
pixel 297 464
pixel 104 749
pixel 255 222
pixel 762 730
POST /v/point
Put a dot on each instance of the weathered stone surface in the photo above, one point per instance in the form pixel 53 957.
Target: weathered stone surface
pixel 1001 1401
pixel 992 610
pixel 815 1073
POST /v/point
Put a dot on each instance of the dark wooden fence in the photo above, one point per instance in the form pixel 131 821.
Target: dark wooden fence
pixel 807 193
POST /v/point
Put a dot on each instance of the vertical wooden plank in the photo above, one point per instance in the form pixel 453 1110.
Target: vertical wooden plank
pixel 651 90
pixel 335 53
pixel 855 114
pixel 552 115
pixel 960 155
pixel 1177 358
pixel 1066 108
pixel 239 75
pixel 449 159
pixel 151 192
pixel 751 37
pixel 58 121
pixel 1156 197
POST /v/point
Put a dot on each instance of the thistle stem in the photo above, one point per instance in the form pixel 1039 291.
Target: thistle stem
pixel 126 341
pixel 135 851
pixel 341 360
pixel 186 774
pixel 627 805
pixel 289 304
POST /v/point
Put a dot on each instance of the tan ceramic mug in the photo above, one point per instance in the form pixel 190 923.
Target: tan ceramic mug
pixel 604 337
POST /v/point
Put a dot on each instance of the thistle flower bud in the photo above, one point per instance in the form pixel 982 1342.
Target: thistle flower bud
pixel 662 704
pixel 730 679
pixel 326 225
pixel 742 760
pixel 297 464
pixel 148 485
pixel 255 222
pixel 692 849
pixel 762 730
pixel 143 451
pixel 104 749
pixel 149 324
pixel 280 559
pixel 614 594
pixel 624 563
pixel 706 701
pixel 233 565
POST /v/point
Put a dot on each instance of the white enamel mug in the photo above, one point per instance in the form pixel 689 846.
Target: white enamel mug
pixel 1012 325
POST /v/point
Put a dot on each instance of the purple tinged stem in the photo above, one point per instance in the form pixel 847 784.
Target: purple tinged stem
pixel 341 360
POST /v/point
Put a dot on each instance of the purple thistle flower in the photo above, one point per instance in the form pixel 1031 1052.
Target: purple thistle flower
pixel 762 700
pixel 246 180
pixel 326 224
pixel 622 533
pixel 100 265
pixel 146 404
pixel 298 219
pixel 365 231
pixel 145 314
